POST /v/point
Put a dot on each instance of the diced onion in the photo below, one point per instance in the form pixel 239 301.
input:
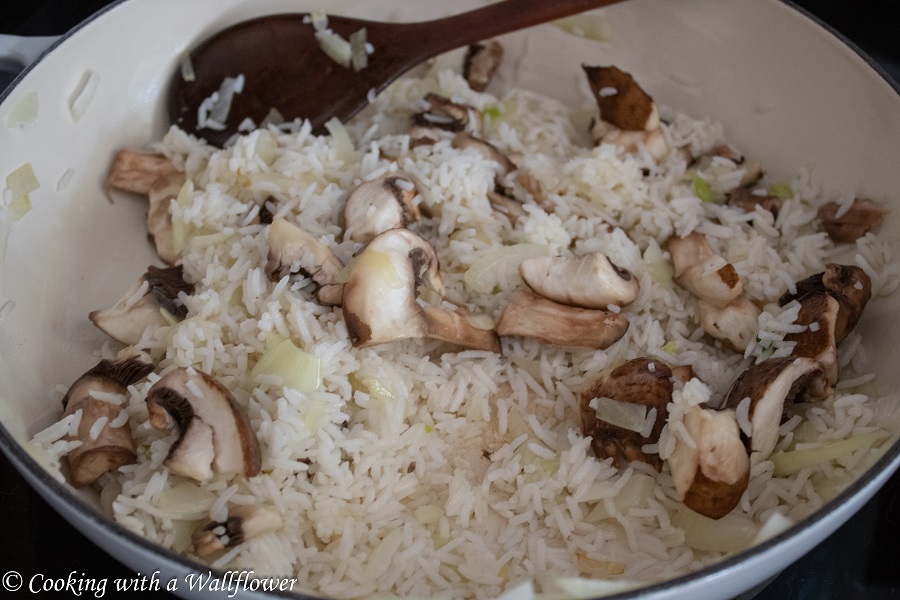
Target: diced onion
pixel 382 555
pixel 359 58
pixel 343 143
pixel 83 95
pixel 18 207
pixel 22 181
pixel 781 190
pixel 24 111
pixel 703 190
pixel 337 48
pixel 594 27
pixel 775 524
pixel 187 67
pixel 499 265
pixel 626 415
pixel 795 460
pixel 657 267
pixel 296 369
pixel 579 587
pixel 732 533
pixel 186 501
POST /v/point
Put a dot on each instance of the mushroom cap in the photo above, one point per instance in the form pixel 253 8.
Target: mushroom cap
pixel 702 272
pixel 214 432
pixel 622 102
pixel 591 280
pixel 290 247
pixel 712 476
pixel 443 113
pixel 747 201
pixel 463 140
pixel 159 218
pixel 848 284
pixel 530 315
pixel 379 299
pixel 128 318
pixel 771 385
pixel 243 523
pixel 378 205
pixel 862 216
pixel 480 63
pixel 453 327
pixel 633 382
pixel 819 311
pixel 136 170
pixel 736 324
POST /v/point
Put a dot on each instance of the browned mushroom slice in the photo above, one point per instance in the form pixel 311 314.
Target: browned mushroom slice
pixel 747 201
pixel 711 475
pixel 480 63
pixel 214 434
pixel 106 442
pixel 505 205
pixel 853 223
pixel 243 523
pixel 703 272
pixel 442 113
pixel 752 170
pixel 378 205
pixel 848 284
pixel 591 280
pixel 136 171
pixel 530 315
pixel 133 314
pixel 159 216
pixel 380 296
pixel 621 100
pixel 292 249
pixel 819 312
pixel 764 390
pixel 735 324
pixel 642 384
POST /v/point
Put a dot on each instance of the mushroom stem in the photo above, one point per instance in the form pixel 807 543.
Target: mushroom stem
pixel 243 523
pixel 702 272
pixel 214 434
pixel 530 315
pixel 108 447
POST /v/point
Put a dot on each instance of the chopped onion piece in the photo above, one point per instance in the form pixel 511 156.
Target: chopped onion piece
pixel 22 181
pixel 24 111
pixel 795 460
pixel 594 27
pixel 65 180
pixel 297 369
pixel 497 267
pixel 83 95
pixel 579 587
pixel 382 555
pixel 781 190
pixel 732 533
pixel 343 143
pixel 703 190
pixel 359 58
pixel 186 500
pixel 319 20
pixel 18 207
pixel 626 415
pixel 775 524
pixel 337 48
pixel 187 67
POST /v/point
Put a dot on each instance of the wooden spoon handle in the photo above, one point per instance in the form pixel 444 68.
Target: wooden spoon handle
pixel 495 19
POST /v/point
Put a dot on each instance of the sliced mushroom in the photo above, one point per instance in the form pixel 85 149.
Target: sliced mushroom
pixel 103 447
pixel 380 296
pixel 243 523
pixel 753 171
pixel 654 142
pixel 136 171
pixel 133 314
pixel 747 201
pixel 853 223
pixel 506 205
pixel 530 315
pixel 621 100
pixel 443 113
pixel 736 324
pixel 214 434
pixel 642 382
pixel 703 272
pixel 489 151
pixel 591 280
pixel 378 205
pixel 292 249
pixel 768 387
pixel 480 63
pixel 819 312
pixel 159 216
pixel 711 475
pixel 848 284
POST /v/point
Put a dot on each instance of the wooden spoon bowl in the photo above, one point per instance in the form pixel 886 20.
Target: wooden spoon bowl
pixel 285 68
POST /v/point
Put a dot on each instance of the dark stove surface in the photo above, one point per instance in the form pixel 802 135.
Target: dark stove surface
pixel 859 561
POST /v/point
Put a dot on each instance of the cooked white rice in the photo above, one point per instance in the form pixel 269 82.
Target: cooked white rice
pixel 464 474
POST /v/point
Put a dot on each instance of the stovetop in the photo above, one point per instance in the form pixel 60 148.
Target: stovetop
pixel 857 561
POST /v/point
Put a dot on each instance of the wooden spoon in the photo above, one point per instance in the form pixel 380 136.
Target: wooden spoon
pixel 285 68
